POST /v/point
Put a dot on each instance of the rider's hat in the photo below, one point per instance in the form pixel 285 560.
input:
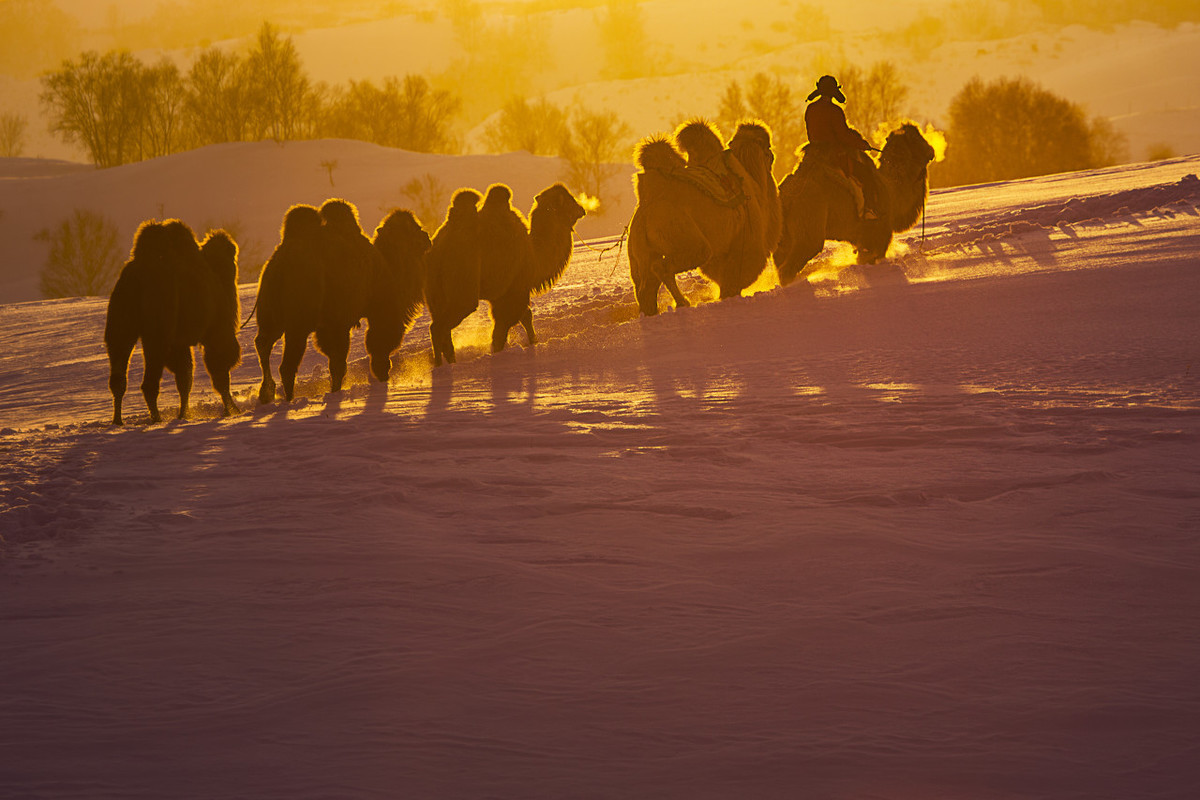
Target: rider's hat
pixel 828 86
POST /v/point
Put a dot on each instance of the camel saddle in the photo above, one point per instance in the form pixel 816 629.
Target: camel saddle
pixel 820 163
pixel 715 179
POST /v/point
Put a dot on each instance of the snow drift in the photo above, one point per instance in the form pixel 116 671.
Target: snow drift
pixel 927 530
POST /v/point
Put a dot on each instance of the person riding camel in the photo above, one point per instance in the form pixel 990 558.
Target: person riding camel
pixel 843 146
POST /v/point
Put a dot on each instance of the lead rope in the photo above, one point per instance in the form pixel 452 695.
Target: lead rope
pixel 602 250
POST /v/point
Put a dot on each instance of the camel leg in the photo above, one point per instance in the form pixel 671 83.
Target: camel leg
pixel 335 344
pixel 381 341
pixel 505 314
pixel 799 263
pixel 155 360
pixel 500 335
pixel 443 343
pixel 183 365
pixel 294 345
pixel 118 375
pixel 435 339
pixel 527 324
pixel 264 342
pixel 218 363
pixel 676 294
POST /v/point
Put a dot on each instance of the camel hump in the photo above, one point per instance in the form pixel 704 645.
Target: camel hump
pixel 150 239
pixel 498 196
pixel 400 224
pixel 220 252
pixel 300 221
pixel 341 215
pixel 757 130
pixel 181 235
pixel 700 140
pixel 465 198
pixel 464 205
pixel 659 154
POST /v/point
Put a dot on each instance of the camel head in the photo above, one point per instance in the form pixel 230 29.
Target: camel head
pixel 558 201
pixel 906 146
pixel 341 216
pixel 300 221
pixel 904 167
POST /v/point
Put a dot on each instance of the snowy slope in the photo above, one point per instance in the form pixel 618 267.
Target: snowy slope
pixel 247 187
pixel 928 530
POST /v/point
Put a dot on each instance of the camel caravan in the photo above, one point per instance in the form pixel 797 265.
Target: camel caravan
pixel 701 205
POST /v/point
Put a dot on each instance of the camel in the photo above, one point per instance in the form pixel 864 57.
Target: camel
pixel 290 294
pixel 819 204
pixel 174 294
pixel 317 281
pixel 717 210
pixel 494 255
pixel 397 290
pixel 452 272
pixel 544 251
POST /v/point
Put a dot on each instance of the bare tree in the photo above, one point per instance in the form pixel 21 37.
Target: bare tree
pixel 538 127
pixel 12 134
pixel 97 103
pixel 279 86
pixel 162 117
pixel 428 197
pixel 217 101
pixel 408 114
pixel 84 258
pixel 1012 128
pixel 874 98
pixel 769 99
pixel 599 140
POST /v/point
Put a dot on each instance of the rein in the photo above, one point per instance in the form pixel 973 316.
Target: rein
pixel 602 250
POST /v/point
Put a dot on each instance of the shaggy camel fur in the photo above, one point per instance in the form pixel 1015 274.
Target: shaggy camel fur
pixel 317 281
pixel 452 272
pixel 514 261
pixel 521 260
pixel 817 205
pixel 173 294
pixel 291 289
pixel 717 211
pixel 397 290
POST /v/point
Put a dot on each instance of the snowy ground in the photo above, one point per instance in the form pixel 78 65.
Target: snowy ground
pixel 929 531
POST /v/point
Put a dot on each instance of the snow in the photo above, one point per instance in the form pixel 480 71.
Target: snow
pixel 247 187
pixel 927 530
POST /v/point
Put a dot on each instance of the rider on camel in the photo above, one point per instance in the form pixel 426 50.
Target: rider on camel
pixel 844 146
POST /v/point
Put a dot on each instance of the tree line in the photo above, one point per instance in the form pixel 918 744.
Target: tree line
pixel 121 110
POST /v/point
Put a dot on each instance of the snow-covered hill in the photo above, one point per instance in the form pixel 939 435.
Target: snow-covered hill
pixel 928 530
pixel 247 187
